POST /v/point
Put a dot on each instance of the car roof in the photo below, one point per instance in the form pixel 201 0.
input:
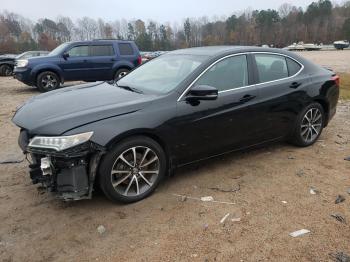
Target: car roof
pixel 213 51
pixel 101 41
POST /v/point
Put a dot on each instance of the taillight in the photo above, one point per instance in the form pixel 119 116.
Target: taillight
pixel 139 60
pixel 336 79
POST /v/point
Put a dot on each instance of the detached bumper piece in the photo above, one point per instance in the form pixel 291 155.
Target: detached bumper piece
pixel 70 175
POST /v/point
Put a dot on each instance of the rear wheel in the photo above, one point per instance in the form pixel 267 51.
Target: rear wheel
pixel 121 73
pixel 132 170
pixel 6 70
pixel 47 81
pixel 309 125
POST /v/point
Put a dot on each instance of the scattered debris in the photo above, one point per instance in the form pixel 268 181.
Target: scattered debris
pixel 299 233
pixel 347 158
pixel 340 136
pixel 194 255
pixel 291 157
pixel 11 161
pixel 238 219
pixel 101 229
pixel 206 226
pixel 224 218
pixel 349 191
pixel 300 173
pixel 339 217
pixel 183 198
pixel 227 189
pixel 284 202
pixel 314 191
pixel 340 257
pixel 207 199
pixel 339 199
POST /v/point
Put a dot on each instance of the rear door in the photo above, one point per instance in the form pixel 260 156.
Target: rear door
pixel 213 127
pixel 279 84
pixel 76 66
pixel 102 58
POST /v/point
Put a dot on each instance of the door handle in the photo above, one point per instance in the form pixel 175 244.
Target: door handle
pixel 295 85
pixel 246 98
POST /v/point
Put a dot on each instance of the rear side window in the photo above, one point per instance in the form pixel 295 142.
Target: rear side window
pixel 82 50
pixel 102 50
pixel 125 49
pixel 293 67
pixel 271 67
pixel 230 73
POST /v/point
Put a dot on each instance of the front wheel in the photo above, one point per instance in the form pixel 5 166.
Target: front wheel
pixel 47 81
pixel 132 170
pixel 309 125
pixel 6 70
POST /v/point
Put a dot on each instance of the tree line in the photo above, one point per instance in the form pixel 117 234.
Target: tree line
pixel 321 22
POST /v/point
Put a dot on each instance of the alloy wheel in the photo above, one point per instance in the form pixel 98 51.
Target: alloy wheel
pixel 311 125
pixel 48 82
pixel 135 171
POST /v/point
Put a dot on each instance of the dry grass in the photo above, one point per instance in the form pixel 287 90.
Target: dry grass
pixel 344 86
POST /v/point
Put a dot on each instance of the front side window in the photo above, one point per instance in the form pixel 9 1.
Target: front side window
pixel 271 67
pixel 102 50
pixel 230 73
pixel 125 49
pixel 82 50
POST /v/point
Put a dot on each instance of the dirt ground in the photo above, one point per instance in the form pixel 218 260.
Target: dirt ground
pixel 272 199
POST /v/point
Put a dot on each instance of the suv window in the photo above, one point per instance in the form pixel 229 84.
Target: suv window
pixel 293 67
pixel 102 50
pixel 82 50
pixel 227 74
pixel 125 49
pixel 271 67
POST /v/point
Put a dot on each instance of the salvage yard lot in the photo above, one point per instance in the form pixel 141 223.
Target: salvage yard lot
pixel 166 227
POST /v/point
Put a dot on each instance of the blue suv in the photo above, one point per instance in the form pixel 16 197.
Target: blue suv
pixel 97 60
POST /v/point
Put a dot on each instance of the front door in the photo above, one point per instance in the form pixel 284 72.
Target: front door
pixel 213 127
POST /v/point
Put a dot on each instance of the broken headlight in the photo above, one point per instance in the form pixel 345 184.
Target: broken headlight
pixel 60 143
pixel 22 63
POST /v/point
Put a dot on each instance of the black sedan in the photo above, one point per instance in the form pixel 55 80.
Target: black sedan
pixel 185 106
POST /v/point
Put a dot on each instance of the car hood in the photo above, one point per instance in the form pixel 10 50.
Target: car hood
pixel 56 112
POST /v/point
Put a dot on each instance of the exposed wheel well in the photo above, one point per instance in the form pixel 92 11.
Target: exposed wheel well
pixel 325 107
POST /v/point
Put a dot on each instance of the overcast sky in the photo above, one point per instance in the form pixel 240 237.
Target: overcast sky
pixel 159 10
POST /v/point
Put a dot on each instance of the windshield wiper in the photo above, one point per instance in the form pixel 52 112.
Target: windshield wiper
pixel 132 89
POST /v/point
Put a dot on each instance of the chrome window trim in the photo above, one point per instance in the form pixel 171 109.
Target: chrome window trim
pixel 238 88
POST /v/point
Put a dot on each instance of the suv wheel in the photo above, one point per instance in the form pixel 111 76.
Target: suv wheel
pixel 309 125
pixel 121 73
pixel 47 81
pixel 132 170
pixel 6 70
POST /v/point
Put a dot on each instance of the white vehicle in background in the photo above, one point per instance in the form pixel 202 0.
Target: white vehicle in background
pixel 340 45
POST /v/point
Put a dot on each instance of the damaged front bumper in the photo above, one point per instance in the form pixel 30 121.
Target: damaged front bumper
pixel 69 174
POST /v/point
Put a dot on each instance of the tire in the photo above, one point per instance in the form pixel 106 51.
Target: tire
pixel 6 70
pixel 47 81
pixel 121 73
pixel 307 132
pixel 121 180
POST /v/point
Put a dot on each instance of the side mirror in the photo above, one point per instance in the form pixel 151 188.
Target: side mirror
pixel 202 92
pixel 65 55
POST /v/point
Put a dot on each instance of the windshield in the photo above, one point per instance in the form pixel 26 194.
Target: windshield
pixel 23 55
pixel 58 50
pixel 162 74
